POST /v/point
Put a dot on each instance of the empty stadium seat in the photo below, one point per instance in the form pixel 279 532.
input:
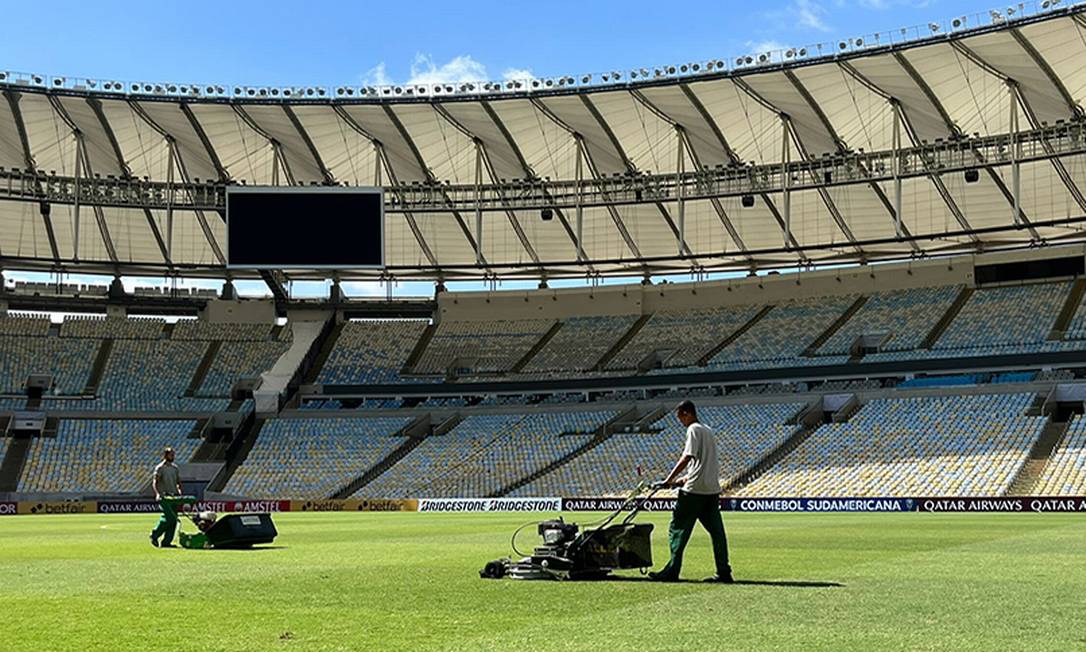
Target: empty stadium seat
pixel 1065 473
pixel 103 456
pixel 312 458
pixel 921 446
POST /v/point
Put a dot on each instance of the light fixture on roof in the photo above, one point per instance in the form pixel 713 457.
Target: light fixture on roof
pixel 38 80
pixel 958 22
pixel 172 88
pixel 320 92
pixel 586 79
pixel 3 76
pixel 616 75
pixel 996 16
pixel 695 67
pixel 934 27
pixel 58 81
pixel 1010 11
pixel 763 58
pixel 671 70
pixel 858 42
pixel 789 53
pixel 842 45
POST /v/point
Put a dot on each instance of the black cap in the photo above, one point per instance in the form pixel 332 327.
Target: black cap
pixel 686 407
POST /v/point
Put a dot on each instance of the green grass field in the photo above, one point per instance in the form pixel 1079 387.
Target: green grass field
pixel 409 581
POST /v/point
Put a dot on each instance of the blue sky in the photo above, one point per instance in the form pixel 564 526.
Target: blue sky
pixel 333 43
pixel 318 42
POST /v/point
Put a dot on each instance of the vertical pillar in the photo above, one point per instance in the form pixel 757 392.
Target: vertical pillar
pixel 580 200
pixel 896 166
pixel 78 179
pixel 169 198
pixel 478 204
pixel 1016 172
pixel 786 181
pixel 680 190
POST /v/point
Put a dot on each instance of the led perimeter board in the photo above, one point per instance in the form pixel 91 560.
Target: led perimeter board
pixel 275 227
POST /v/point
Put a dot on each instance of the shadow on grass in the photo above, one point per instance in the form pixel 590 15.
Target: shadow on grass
pixel 795 584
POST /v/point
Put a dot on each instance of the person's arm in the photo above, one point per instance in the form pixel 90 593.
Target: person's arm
pixel 154 484
pixel 672 479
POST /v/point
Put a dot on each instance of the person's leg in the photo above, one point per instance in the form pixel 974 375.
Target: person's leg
pixel 167 524
pixel 683 519
pixel 710 520
pixel 171 525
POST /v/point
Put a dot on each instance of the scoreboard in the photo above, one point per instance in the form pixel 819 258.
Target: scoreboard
pixel 276 227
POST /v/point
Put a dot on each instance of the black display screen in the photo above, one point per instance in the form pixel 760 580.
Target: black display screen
pixel 291 228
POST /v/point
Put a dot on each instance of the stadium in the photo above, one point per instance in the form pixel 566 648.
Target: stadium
pixel 863 260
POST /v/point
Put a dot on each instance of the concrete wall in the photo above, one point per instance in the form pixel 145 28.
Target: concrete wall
pixel 241 311
pixel 639 299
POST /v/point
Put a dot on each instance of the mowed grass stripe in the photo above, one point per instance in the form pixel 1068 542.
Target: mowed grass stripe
pixel 409 581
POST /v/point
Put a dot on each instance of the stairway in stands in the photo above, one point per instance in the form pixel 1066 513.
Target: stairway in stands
pixel 1039 455
pixel 238 451
pixel 414 433
pixel 634 329
pixel 814 346
pixel 1067 313
pixel 704 360
pixel 420 348
pixel 99 368
pixel 631 419
pixel 542 342
pixel 944 321
pixel 198 378
pixel 807 421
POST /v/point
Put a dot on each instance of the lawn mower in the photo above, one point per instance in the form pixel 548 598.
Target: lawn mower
pixel 570 553
pixel 232 531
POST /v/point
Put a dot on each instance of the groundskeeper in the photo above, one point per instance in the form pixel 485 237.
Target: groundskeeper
pixel 167 485
pixel 698 499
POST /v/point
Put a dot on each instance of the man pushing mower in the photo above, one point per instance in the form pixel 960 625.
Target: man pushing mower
pixel 166 484
pixel 698 499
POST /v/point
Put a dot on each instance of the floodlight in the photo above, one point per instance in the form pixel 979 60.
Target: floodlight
pixel 695 67
pixel 958 22
pixel 934 27
pixel 789 53
pixel 858 42
pixel 762 58
pixel 671 70
pixel 172 88
pixel 842 45
pixel 586 79
pixel 58 81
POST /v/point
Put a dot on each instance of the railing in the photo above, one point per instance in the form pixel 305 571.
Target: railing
pixel 940 157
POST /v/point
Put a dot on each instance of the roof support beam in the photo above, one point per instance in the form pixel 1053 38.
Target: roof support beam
pixel 528 171
pixel 1015 93
pixel 126 173
pixel 224 176
pixel 277 147
pixel 805 155
pixel 329 180
pixel 395 119
pixel 685 144
pixel 631 168
pixel 954 132
pixel 586 156
pixel 482 160
pixel 1050 74
pixel 382 163
pixel 843 147
pixel 789 237
pixel 83 163
pixel 44 209
pixel 177 162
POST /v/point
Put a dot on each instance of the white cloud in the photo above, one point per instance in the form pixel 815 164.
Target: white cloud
pixel 459 69
pixel 517 74
pixel 760 47
pixel 808 13
pixel 425 71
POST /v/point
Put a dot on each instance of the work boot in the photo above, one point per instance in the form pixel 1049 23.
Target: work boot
pixel 721 579
pixel 154 540
pixel 662 577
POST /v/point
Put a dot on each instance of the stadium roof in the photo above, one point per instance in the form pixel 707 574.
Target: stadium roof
pixel 968 139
